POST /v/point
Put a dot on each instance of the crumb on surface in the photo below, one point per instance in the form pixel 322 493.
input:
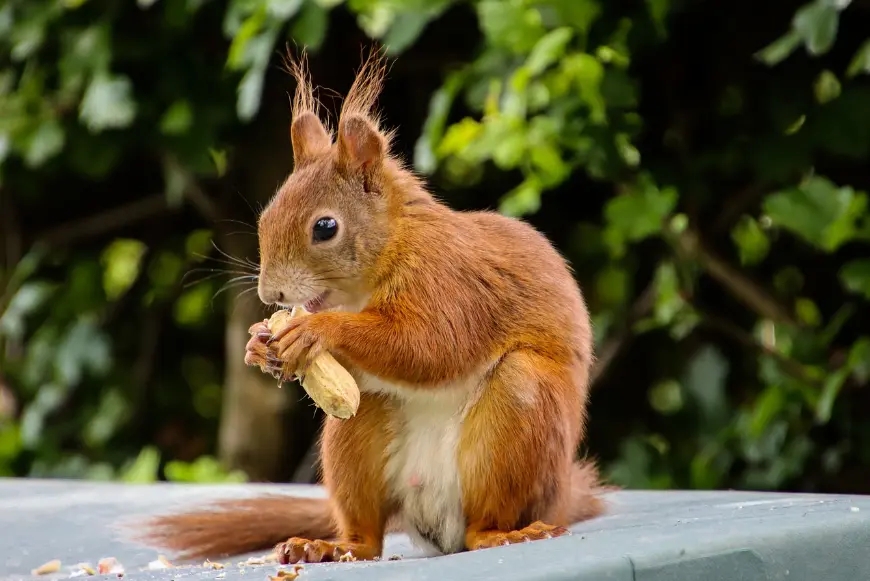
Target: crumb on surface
pixel 52 566
pixel 284 575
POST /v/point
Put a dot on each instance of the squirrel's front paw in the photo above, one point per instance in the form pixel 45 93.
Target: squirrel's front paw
pixel 298 344
pixel 257 351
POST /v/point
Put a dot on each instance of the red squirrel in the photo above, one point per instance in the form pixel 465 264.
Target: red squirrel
pixel 469 339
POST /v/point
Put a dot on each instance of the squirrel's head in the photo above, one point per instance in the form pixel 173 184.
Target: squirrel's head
pixel 324 229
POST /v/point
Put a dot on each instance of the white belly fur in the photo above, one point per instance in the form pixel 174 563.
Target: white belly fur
pixel 422 470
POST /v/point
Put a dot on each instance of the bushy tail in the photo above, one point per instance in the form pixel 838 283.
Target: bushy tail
pixel 234 527
pixel 586 492
pixel 229 528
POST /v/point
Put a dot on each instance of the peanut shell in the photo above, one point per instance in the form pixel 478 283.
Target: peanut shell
pixel 327 383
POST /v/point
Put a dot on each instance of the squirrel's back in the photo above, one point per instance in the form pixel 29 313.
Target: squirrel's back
pixel 499 270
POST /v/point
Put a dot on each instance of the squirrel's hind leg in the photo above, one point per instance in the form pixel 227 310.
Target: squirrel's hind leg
pixel 517 449
pixel 353 460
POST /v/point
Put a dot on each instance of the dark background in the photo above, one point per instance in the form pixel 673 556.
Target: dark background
pixel 702 164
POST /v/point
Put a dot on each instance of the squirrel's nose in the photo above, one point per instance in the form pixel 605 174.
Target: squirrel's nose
pixel 271 296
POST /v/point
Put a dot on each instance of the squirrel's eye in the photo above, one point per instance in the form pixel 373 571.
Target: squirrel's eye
pixel 324 229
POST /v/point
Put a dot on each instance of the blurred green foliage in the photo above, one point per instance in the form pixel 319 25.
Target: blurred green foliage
pixel 719 225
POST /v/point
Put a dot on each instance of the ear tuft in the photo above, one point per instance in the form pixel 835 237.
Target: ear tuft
pixel 361 146
pixel 309 138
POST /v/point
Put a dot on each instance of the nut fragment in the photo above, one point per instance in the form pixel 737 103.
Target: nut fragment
pixel 284 575
pixel 110 565
pixel 47 568
pixel 329 384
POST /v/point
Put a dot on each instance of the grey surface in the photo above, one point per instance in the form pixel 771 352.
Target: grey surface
pixel 647 536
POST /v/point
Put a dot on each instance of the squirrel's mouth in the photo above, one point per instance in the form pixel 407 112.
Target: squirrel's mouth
pixel 317 303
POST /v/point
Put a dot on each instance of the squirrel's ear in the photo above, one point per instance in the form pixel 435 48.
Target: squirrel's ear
pixel 309 138
pixel 361 147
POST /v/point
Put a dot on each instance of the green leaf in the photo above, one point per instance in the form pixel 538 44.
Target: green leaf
pixel 27 37
pixel 669 301
pixel 26 300
pixel 627 151
pixel 766 408
pixel 46 142
pixel 10 442
pixel 425 158
pixel 121 260
pixel 108 103
pixel 548 50
pixel 144 469
pixel 705 381
pixel 612 286
pixel 405 29
pixel 658 11
pixel 250 92
pixel 827 87
pixel 103 424
pixel 5 146
pixel 830 390
pixel 48 399
pixel 859 359
pixel 283 9
pixel 710 466
pixel 84 53
pixel 588 73
pixel 7 19
pixel 855 277
pixel 193 305
pixel 177 119
pixel 678 223
pixel 817 24
pixel 219 158
pixel 666 397
pixel 780 49
pixel 547 160
pixel 576 14
pixel 237 57
pixel 796 126
pixel 309 28
pixel 818 212
pixel 636 215
pixel 807 312
pixel 522 200
pixel 198 243
pixel 84 348
pixel 175 180
pixel 510 24
pixel 459 136
pixel 860 62
pixel 835 323
pixel 204 469
pixel 751 241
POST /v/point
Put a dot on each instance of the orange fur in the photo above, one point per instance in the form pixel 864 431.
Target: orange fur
pixel 467 333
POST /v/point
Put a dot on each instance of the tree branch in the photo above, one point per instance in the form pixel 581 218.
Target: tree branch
pixel 616 343
pixel 735 282
pixel 107 221
pixel 736 205
pixel 11 243
pixel 789 365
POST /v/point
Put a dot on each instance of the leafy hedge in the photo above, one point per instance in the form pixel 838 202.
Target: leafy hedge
pixel 703 166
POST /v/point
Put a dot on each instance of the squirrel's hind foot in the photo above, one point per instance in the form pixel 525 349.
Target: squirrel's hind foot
pixel 534 532
pixel 297 549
